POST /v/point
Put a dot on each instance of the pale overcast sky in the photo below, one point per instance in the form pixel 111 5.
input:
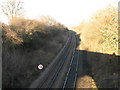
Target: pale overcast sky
pixel 67 12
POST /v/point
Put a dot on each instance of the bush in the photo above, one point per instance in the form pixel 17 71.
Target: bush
pixel 101 32
pixel 23 31
pixel 108 27
pixel 27 43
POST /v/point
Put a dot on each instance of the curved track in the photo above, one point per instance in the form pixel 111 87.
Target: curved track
pixel 71 77
pixel 63 73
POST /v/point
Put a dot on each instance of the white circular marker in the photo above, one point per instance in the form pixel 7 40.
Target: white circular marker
pixel 40 66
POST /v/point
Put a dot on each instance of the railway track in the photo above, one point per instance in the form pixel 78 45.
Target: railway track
pixel 63 73
pixel 71 77
pixel 58 83
pixel 70 80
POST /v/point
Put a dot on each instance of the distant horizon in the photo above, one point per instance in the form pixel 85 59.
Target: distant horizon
pixel 68 12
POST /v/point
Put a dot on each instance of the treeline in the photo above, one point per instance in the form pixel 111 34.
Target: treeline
pixel 100 37
pixel 26 44
pixel 27 32
pixel 101 32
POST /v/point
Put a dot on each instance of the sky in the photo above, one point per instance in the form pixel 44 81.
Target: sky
pixel 68 12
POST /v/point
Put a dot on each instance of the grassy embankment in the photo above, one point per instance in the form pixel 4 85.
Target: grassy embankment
pixel 26 44
pixel 99 37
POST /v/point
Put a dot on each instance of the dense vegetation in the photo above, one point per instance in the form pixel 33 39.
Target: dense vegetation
pixel 99 37
pixel 102 30
pixel 26 44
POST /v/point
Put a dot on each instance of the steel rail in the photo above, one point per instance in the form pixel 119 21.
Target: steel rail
pixel 45 73
pixel 49 80
pixel 70 74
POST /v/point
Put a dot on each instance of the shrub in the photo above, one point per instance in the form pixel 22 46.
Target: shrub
pixel 101 31
pixel 27 43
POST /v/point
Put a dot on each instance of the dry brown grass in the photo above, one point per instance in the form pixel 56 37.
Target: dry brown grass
pixel 86 82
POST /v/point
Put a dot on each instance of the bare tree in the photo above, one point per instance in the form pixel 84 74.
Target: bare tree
pixel 48 20
pixel 12 8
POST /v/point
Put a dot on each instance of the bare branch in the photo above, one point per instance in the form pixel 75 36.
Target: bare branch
pixel 12 8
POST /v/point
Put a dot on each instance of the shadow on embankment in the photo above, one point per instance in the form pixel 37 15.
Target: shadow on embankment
pixel 97 70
